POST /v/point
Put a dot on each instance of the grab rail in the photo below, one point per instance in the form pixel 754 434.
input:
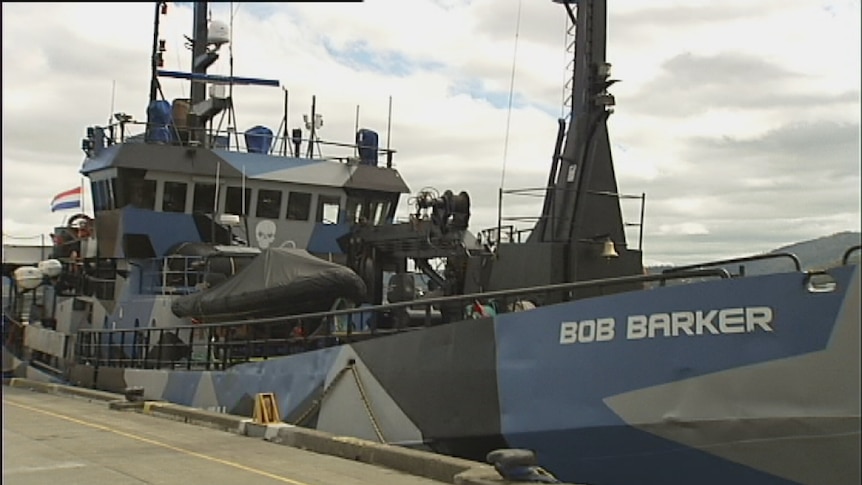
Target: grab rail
pixel 850 250
pixel 721 262
pixel 227 343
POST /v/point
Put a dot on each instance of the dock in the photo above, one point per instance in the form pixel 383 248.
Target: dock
pixel 54 433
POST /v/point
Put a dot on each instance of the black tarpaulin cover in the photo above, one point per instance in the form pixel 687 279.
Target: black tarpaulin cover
pixel 279 281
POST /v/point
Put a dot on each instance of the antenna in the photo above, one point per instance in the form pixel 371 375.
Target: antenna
pixel 355 131
pixel 113 94
pixel 389 125
pixel 284 137
pixel 215 201
pixel 156 59
pixel 231 118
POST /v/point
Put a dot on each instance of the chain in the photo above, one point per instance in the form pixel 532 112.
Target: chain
pixel 315 405
pixel 317 402
pixel 367 403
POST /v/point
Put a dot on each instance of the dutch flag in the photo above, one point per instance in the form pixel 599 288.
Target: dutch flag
pixel 69 199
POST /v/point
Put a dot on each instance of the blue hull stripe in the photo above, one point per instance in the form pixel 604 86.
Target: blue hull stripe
pixel 561 388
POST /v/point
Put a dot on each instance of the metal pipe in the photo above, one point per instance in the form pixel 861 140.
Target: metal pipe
pixel 154 59
pixel 389 123
pixel 641 235
pixel 722 262
pixel 284 132
pixel 702 273
pixel 311 136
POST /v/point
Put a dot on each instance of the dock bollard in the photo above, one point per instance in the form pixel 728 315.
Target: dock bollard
pixel 519 465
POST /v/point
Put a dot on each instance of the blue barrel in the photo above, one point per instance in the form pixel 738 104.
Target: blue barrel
pixel 367 142
pixel 159 121
pixel 221 141
pixel 258 139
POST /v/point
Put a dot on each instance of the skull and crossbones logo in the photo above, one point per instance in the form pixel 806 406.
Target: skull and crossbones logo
pixel 265 233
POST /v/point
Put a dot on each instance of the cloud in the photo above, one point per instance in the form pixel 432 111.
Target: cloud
pixel 741 125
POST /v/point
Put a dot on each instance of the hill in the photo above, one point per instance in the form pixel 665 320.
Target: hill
pixel 815 254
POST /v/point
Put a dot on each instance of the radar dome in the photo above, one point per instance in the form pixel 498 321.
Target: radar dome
pixel 218 33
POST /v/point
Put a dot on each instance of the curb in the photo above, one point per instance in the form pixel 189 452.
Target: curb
pixel 45 387
pixel 426 464
pixel 210 419
pixel 414 462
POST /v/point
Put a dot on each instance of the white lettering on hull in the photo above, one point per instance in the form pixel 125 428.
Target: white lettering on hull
pixel 668 325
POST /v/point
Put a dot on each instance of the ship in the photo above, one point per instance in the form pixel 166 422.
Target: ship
pixel 552 338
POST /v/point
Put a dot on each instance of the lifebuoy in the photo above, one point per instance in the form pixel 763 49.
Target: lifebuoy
pixel 83 224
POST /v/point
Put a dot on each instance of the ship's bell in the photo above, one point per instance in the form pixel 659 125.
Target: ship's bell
pixel 608 250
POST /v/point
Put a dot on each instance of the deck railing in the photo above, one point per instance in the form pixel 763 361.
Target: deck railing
pixel 221 345
pixel 130 131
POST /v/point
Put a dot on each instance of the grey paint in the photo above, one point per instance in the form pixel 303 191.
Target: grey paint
pixel 810 401
pixel 343 410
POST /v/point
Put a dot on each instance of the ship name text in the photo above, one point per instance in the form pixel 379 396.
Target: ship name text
pixel 673 324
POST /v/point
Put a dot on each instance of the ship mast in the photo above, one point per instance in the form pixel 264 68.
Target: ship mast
pixel 581 214
pixel 199 66
pixel 155 59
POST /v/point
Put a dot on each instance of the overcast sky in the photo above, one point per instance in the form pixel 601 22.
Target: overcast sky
pixel 739 119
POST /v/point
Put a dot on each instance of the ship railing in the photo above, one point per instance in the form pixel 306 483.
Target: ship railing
pixel 132 131
pixel 505 232
pixel 741 268
pixel 849 253
pixel 508 233
pixel 214 346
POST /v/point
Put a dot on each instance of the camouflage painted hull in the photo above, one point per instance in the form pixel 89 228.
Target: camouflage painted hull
pixel 746 381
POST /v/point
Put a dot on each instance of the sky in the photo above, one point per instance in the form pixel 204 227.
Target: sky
pixel 740 124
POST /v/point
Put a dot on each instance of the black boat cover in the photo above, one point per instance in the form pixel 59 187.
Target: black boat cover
pixel 279 281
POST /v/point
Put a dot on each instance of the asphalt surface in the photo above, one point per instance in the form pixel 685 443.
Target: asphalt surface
pixel 50 439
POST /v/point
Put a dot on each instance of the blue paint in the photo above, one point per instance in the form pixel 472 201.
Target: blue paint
pixel 564 389
pixel 324 238
pixel 218 79
pixel 181 386
pixel 624 455
pixel 103 160
pixel 292 378
pixel 165 229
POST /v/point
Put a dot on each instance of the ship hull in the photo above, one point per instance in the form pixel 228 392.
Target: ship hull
pixel 747 381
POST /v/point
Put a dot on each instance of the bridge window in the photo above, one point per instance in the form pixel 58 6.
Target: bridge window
pixel 268 203
pixel 112 193
pixel 355 212
pixel 100 196
pixel 104 194
pixel 142 194
pixel 233 203
pixel 298 206
pixel 327 209
pixel 204 198
pixel 381 210
pixel 174 198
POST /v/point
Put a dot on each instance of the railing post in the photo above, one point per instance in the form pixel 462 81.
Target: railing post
pixel 210 355
pixel 248 342
pixel 147 341
pixel 226 352
pixel 122 361
pixel 191 348
pixel 159 349
pixel 98 360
